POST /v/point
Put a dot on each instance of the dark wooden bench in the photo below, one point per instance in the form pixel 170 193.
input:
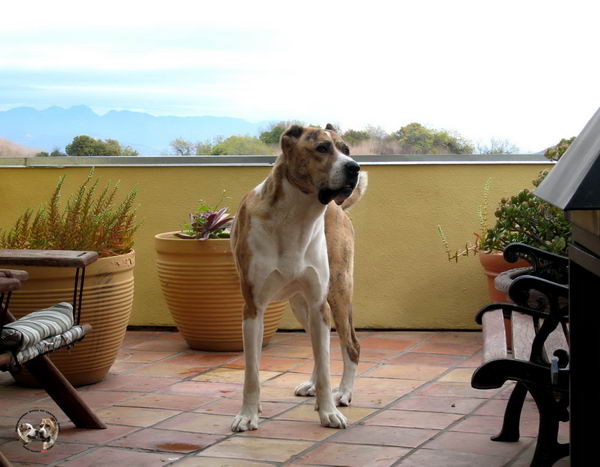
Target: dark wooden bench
pixel 537 360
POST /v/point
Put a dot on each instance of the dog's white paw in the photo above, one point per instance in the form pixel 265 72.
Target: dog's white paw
pixel 342 397
pixel 306 389
pixel 243 422
pixel 333 418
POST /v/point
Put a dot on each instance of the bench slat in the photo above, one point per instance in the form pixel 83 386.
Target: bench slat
pixel 556 340
pixel 523 333
pixel 494 336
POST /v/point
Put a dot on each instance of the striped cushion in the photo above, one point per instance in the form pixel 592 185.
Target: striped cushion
pixel 37 326
pixel 47 345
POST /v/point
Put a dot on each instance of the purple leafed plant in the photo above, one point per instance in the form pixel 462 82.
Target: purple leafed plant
pixel 207 223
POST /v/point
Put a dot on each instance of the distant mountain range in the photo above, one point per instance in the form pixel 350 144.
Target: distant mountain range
pixel 56 127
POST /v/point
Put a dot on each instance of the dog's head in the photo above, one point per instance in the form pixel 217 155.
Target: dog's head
pixel 318 161
pixel 47 428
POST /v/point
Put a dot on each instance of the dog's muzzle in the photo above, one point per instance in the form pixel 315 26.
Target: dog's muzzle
pixel 339 195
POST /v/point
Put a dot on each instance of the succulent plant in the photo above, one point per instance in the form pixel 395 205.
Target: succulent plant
pixel 207 222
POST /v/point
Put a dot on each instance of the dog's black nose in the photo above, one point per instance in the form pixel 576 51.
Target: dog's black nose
pixel 352 168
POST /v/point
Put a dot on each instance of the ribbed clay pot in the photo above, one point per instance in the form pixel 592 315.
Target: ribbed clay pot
pixel 202 288
pixel 107 303
pixel 493 264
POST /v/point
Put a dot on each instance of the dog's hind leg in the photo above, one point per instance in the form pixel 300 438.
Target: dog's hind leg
pixel 253 327
pixel 300 309
pixel 341 309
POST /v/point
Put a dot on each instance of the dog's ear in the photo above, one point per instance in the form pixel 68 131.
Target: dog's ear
pixel 329 126
pixel 290 135
pixel 295 131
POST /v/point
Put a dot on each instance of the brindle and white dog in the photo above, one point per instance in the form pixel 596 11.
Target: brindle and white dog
pixel 292 242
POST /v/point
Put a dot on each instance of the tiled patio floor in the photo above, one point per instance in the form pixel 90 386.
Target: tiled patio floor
pixel 164 403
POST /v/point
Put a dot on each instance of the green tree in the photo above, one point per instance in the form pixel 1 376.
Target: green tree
pixel 353 137
pixel 415 138
pixel 498 146
pixel 273 133
pixel 241 145
pixel 181 147
pixel 84 145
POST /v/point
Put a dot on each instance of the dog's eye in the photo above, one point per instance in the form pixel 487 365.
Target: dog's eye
pixel 346 150
pixel 323 148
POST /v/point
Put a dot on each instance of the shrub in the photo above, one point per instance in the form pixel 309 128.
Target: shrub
pixel 90 221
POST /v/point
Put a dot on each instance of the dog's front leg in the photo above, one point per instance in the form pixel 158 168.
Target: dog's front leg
pixel 320 335
pixel 247 419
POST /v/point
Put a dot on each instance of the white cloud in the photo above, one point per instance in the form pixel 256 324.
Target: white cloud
pixel 519 70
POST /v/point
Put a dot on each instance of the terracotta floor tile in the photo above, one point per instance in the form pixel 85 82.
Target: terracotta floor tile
pixel 141 356
pixel 390 343
pixel 250 448
pixel 496 407
pixel 111 457
pixel 137 337
pixel 198 461
pixel 413 371
pixel 448 389
pixel 207 359
pixel 474 361
pixel 199 423
pixel 459 338
pixel 294 430
pixel 447 348
pixel 291 380
pixel 167 401
pixel 385 436
pixel 166 369
pixel 68 432
pixel 441 458
pixel 232 375
pixel 353 455
pixel 307 412
pixel 413 419
pixel 232 407
pixel 163 343
pixel 289 351
pixel 336 367
pixel 134 383
pixel 166 440
pixel 459 375
pixel 203 389
pixel 438 404
pixel 121 368
pixel 479 424
pixel 134 416
pixel 425 359
pixel 270 363
pixel 15 452
pixel 274 394
pixel 368 355
pixel 97 399
pixel 476 443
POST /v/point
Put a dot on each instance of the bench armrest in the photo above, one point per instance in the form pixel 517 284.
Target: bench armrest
pixel 55 258
pixel 545 264
pixel 549 294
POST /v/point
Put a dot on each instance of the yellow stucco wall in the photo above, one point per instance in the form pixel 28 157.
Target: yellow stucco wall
pixel 402 277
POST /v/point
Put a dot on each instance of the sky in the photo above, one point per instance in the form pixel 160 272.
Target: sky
pixel 526 70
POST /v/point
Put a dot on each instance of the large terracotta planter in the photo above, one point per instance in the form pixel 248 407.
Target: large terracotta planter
pixel 107 303
pixel 202 288
pixel 493 264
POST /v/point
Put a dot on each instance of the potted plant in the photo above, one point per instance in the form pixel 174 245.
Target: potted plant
pixel 91 220
pixel 201 285
pixel 521 218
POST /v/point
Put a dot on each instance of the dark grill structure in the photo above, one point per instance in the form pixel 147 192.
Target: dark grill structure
pixel 574 186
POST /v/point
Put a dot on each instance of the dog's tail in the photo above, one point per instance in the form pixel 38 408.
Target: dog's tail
pixel 359 191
